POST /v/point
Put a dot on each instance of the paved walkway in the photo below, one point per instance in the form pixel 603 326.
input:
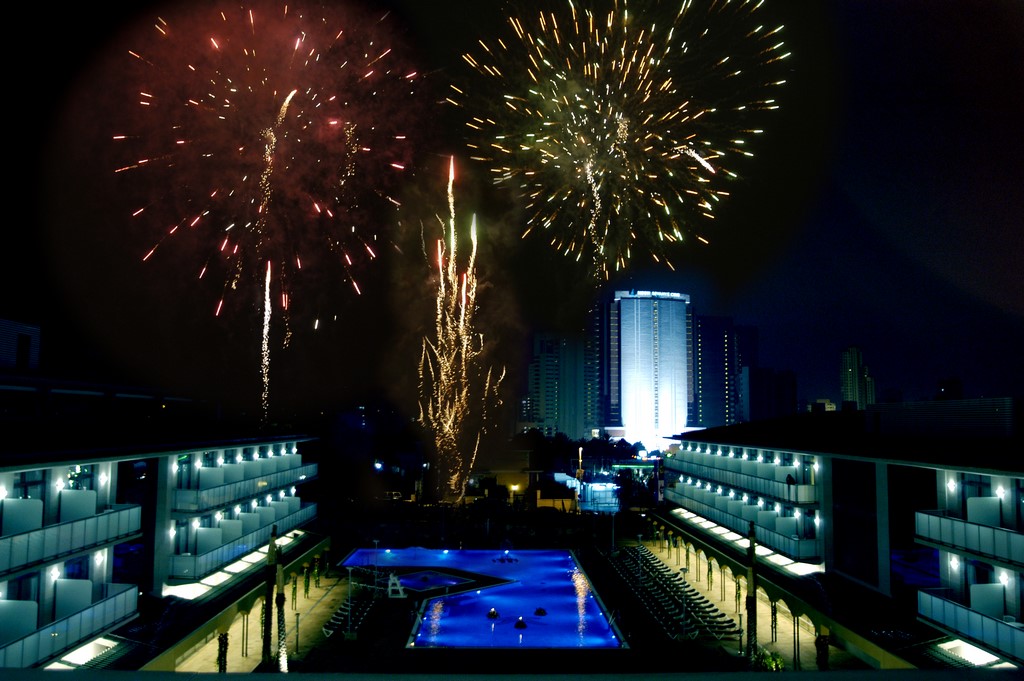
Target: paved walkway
pixel 312 610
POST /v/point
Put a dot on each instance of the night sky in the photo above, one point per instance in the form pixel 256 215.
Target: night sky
pixel 883 209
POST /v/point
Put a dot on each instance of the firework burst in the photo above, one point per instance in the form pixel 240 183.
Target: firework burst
pixel 264 143
pixel 621 129
pixel 456 387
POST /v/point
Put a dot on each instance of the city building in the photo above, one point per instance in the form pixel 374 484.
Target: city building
pixel 857 387
pixel 897 531
pixel 555 396
pixel 650 380
pixel 722 350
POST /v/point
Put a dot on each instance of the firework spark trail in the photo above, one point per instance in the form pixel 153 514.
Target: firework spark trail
pixel 456 390
pixel 619 128
pixel 265 346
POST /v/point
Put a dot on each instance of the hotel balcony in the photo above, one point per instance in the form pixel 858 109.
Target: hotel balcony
pixel 219 496
pixel 736 515
pixel 208 560
pixel 1001 636
pixel 225 485
pixel 990 543
pixel 754 477
pixel 35 548
pixel 117 604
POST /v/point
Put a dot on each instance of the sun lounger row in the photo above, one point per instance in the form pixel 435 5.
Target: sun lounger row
pixel 673 601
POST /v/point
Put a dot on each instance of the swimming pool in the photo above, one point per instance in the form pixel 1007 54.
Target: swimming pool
pixel 529 599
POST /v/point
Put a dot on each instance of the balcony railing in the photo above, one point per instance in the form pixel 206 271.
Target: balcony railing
pixel 243 490
pixel 197 567
pixel 1005 638
pixel 982 540
pixel 719 474
pixel 38 547
pixel 797 549
pixel 118 605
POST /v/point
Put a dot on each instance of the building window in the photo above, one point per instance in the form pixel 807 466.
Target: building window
pixel 76 568
pixel 28 485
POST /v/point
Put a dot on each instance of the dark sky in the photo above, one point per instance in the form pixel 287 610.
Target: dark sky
pixel 883 209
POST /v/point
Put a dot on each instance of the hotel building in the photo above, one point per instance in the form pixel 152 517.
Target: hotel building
pixel 649 366
pixel 98 513
pixel 896 531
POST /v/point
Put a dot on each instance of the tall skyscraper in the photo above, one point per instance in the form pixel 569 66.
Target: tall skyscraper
pixel 649 366
pixel 721 350
pixel 857 388
pixel 555 398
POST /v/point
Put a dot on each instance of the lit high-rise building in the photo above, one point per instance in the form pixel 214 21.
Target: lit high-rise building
pixel 649 365
pixel 722 349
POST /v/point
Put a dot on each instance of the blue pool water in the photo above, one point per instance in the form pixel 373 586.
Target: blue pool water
pixel 545 602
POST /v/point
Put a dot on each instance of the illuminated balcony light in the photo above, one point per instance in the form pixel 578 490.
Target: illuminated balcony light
pixel 708 488
pixel 218 516
pixel 172 532
pixel 103 479
pixel 54 573
pixel 1000 493
pixel 815 466
pixel 744 456
pixel 269 498
pixel 220 460
pixel 689 481
pixel 195 524
pixel 954 563
pixel 719 490
pixel 255 503
pixel 292 490
pixel 199 464
pixel 760 459
pixel 796 513
pixel 1004 578
pixel 280 494
pixel 59 484
pixel 719 451
pixel 745 498
pixel 760 502
pixel 3 492
pixel 238 458
pixel 283 450
pixel 778 507
pixel 778 461
pixel 951 486
pixel 817 521
pixel 97 558
pixel 295 450
pixel 255 455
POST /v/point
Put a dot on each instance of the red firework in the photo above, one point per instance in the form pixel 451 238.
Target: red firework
pixel 267 133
